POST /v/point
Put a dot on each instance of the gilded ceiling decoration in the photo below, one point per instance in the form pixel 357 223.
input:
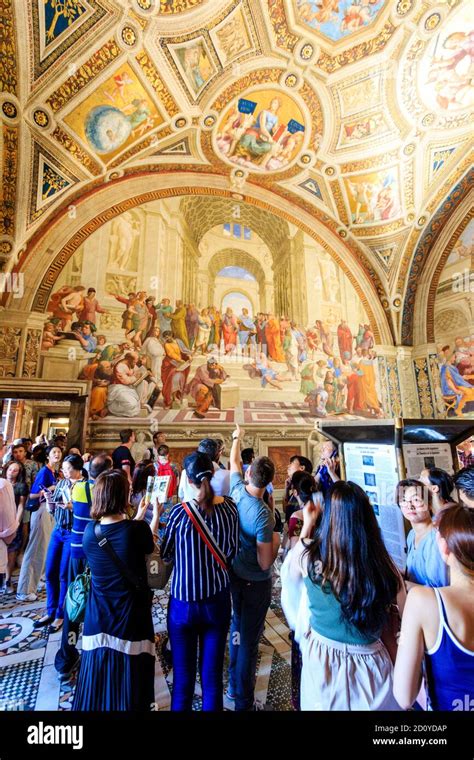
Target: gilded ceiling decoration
pixel 359 112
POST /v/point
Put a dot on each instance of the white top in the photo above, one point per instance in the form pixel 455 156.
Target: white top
pixel 220 484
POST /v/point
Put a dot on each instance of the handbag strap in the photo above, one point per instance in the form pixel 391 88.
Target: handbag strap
pixel 105 544
pixel 199 523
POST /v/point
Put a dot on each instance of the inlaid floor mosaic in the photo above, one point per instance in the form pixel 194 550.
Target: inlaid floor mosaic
pixel 28 680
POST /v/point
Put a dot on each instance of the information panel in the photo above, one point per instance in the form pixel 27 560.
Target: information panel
pixel 374 468
pixel 418 456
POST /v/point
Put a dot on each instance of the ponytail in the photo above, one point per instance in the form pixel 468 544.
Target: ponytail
pixel 205 496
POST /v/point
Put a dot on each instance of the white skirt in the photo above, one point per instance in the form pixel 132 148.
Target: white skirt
pixel 339 676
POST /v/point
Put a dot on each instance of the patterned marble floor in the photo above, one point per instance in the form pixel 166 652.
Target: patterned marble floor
pixel 28 680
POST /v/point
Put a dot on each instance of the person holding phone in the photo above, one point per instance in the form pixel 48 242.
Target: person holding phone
pixel 328 470
pixel 59 549
pixel 41 527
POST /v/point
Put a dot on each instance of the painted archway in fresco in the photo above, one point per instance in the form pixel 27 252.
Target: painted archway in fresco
pixel 41 264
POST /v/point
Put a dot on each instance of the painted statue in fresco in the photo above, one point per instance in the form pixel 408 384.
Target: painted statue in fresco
pixel 123 232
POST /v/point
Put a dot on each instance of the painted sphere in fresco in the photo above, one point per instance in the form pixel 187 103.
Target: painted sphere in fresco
pixel 107 128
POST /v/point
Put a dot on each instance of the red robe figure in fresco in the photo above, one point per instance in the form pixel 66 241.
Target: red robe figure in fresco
pixel 344 339
pixel 272 334
pixel 174 372
pixel 229 330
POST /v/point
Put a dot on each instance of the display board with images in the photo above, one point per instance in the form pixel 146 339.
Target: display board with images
pixel 374 468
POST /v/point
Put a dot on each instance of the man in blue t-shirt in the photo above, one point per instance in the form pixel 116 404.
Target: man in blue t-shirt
pixel 251 575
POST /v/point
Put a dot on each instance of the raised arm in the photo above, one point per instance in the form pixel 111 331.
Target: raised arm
pixel 407 674
pixel 234 456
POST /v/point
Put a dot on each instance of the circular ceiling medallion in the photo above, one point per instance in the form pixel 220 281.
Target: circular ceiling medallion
pixel 428 120
pixel 330 171
pixel 145 5
pixel 422 221
pixel 397 302
pixel 409 149
pixel 432 21
pixel 40 118
pixel 6 246
pixel 209 121
pixel 342 233
pixel 180 122
pixel 291 80
pixel 129 36
pixel 9 109
pixel 404 7
pixel 411 218
pixel 306 52
pixel 262 131
pixel 306 158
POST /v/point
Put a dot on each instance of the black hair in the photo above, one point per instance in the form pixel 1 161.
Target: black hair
pixel 125 435
pixel 247 455
pixel 49 449
pixel 349 554
pixel 443 480
pixel 304 484
pixel 141 473
pixel 464 481
pixel 304 462
pixel 76 462
pixel 199 470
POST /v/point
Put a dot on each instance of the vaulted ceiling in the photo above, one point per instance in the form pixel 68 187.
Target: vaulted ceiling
pixel 369 105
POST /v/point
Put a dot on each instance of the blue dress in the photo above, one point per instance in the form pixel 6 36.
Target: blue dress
pixel 118 644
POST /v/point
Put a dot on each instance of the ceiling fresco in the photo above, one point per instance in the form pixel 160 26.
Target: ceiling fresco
pixel 359 111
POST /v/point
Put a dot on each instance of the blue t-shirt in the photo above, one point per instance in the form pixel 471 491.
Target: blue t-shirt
pixel 256 523
pixel 424 563
pixel 44 479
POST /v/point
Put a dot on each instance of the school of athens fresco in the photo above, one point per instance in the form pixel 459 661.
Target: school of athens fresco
pixel 151 340
pixel 340 134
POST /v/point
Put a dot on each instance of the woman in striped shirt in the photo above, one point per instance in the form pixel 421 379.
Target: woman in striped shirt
pixel 200 606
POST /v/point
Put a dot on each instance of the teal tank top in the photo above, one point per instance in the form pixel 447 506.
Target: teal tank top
pixel 326 617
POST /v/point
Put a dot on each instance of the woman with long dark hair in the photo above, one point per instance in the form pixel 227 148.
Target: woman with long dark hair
pixel 441 485
pixel 438 624
pixel 351 583
pixel 200 603
pixel 118 644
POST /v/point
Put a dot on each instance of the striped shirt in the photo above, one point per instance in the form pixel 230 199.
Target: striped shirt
pixel 196 574
pixel 81 498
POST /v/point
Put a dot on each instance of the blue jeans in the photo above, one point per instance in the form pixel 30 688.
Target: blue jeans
pixel 250 603
pixel 206 622
pixel 57 566
pixel 67 653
